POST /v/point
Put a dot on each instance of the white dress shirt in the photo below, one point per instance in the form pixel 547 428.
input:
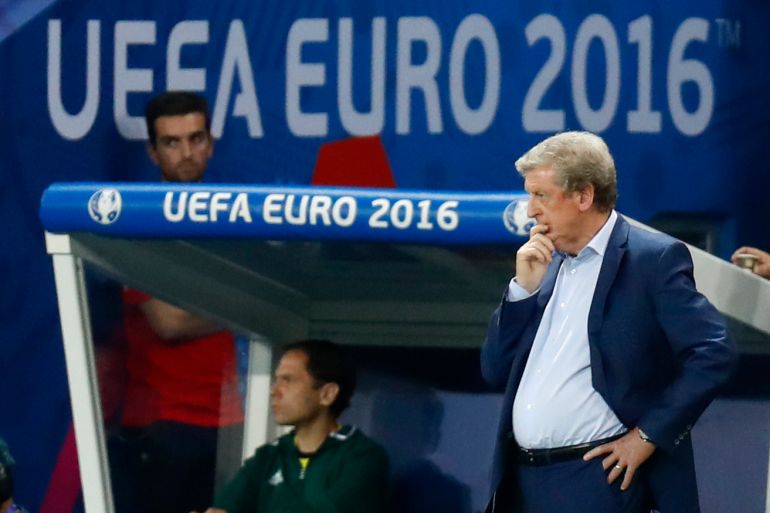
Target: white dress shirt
pixel 556 404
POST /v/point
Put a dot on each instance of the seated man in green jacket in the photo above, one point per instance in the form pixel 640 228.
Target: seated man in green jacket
pixel 320 466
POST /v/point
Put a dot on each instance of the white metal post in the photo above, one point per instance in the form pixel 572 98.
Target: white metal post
pixel 258 426
pixel 81 372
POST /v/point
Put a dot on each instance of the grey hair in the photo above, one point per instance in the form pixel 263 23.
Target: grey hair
pixel 579 159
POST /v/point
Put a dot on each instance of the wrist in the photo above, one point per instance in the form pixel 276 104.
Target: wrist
pixel 524 284
pixel 645 438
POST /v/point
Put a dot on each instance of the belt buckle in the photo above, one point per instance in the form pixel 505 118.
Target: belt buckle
pixel 529 455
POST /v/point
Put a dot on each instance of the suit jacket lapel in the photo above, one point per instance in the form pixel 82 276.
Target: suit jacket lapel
pixel 616 248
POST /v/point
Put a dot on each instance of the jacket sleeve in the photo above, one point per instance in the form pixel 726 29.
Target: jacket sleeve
pixel 504 332
pixel 697 335
pixel 241 495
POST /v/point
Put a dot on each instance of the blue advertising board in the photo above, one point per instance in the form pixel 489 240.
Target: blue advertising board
pixel 286 213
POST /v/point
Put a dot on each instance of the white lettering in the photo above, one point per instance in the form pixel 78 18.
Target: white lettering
pixel 185 33
pixel 535 119
pixel 681 70
pixel 470 121
pixel 595 27
pixel 418 76
pixel 299 210
pixel 361 107
pixel 643 119
pixel 236 60
pixel 219 203
pixel 198 204
pixel 319 207
pixel 344 211
pixel 240 208
pixel 168 201
pixel 73 126
pixel 299 74
pixel 272 208
pixel 131 80
pixel 301 217
pixel 355 122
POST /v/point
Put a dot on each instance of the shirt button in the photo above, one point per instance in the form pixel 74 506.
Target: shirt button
pixel 573 271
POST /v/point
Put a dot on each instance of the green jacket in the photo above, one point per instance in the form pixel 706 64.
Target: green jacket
pixel 348 474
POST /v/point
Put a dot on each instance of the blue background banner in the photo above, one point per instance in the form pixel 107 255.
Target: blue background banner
pixel 447 94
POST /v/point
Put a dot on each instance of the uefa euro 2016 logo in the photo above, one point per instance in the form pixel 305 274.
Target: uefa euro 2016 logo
pixel 516 219
pixel 104 206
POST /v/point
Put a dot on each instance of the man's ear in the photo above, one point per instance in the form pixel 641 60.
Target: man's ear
pixel 586 198
pixel 153 153
pixel 329 393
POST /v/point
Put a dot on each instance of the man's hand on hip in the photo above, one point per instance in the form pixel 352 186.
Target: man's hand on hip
pixel 533 257
pixel 623 456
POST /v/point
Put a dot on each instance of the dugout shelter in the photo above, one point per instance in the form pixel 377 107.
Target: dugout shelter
pixel 365 267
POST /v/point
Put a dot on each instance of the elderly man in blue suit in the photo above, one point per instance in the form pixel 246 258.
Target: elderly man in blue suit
pixel 607 352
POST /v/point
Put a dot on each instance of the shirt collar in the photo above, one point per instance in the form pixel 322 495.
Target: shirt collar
pixel 599 242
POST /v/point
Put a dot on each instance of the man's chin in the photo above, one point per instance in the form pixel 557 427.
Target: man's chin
pixel 192 175
pixel 281 420
pixel 187 174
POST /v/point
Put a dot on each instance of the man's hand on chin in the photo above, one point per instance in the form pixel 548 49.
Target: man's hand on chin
pixel 533 258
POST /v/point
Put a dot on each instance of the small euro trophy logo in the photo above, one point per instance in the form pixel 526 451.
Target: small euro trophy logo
pixel 104 206
pixel 516 219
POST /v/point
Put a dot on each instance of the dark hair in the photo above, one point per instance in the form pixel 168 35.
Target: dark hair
pixel 174 103
pixel 328 362
pixel 6 472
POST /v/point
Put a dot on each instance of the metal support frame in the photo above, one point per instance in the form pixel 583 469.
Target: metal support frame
pixel 258 426
pixel 81 373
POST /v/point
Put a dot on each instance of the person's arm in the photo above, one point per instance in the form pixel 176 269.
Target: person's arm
pixel 705 355
pixel 241 494
pixel 504 332
pixel 170 322
pixel 697 335
pixel 762 267
pixel 519 301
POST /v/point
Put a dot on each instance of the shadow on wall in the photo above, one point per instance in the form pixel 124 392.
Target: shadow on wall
pixel 406 419
pixel 436 421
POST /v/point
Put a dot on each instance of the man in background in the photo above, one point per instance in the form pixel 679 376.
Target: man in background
pixel 321 465
pixel 182 396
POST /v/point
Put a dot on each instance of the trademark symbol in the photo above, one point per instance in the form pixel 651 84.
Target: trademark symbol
pixel 729 33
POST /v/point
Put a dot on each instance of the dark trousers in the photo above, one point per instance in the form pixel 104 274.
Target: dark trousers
pixel 168 467
pixel 572 486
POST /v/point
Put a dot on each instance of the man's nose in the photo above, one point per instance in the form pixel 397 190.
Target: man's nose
pixel 531 208
pixel 186 149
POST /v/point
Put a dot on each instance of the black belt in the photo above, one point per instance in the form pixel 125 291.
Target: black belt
pixel 538 457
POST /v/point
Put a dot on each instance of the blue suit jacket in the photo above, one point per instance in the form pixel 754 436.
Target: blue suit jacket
pixel 659 353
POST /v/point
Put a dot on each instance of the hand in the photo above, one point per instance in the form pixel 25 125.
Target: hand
pixel 762 267
pixel 626 454
pixel 533 258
